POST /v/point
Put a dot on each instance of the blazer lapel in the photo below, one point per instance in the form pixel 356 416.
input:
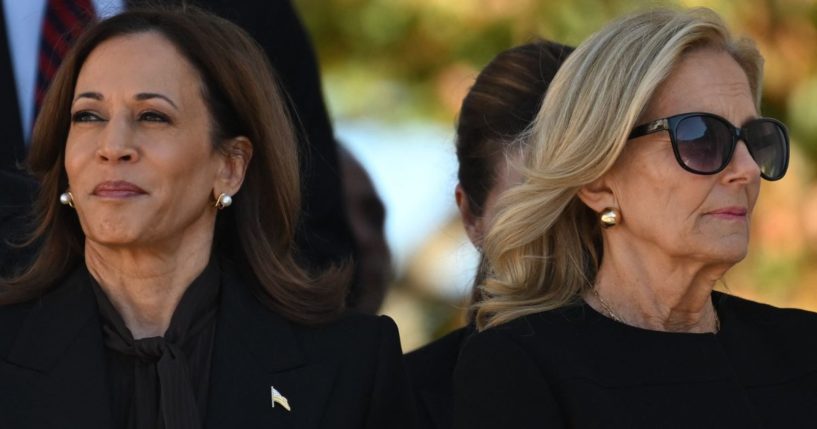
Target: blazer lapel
pixel 60 353
pixel 256 350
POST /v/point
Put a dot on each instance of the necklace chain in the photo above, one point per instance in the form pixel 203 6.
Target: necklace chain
pixel 606 307
pixel 611 314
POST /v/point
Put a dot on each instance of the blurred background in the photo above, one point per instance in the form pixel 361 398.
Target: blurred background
pixel 395 72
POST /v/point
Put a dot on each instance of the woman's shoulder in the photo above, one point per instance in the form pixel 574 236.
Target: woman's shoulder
pixel 365 350
pixel 500 379
pixel 350 333
pixel 556 325
pixel 770 344
pixel 762 316
pixel 353 323
pixel 532 337
pixel 783 327
pixel 350 330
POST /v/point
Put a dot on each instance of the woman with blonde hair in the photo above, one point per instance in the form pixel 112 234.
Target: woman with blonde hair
pixel 643 167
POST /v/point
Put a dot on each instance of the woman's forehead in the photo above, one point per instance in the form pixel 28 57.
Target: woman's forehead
pixel 141 62
pixel 704 81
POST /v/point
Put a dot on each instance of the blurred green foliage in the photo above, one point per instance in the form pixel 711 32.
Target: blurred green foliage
pixel 398 60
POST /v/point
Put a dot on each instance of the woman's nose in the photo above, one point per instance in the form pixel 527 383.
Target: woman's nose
pixel 116 143
pixel 742 167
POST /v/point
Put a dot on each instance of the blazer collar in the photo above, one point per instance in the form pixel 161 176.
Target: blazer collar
pixel 255 350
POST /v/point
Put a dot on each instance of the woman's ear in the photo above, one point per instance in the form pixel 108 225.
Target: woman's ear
pixel 237 154
pixel 473 223
pixel 598 195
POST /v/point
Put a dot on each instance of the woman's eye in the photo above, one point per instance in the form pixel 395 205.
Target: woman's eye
pixel 85 116
pixel 153 117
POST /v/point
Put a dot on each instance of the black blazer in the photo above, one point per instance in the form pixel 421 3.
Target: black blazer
pixel 573 367
pixel 346 375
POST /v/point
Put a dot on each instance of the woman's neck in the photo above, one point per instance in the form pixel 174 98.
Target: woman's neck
pixel 661 295
pixel 146 285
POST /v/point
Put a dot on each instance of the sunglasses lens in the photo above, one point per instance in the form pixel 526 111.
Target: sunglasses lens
pixel 769 145
pixel 703 143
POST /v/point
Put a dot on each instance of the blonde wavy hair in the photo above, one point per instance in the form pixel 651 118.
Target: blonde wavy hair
pixel 545 245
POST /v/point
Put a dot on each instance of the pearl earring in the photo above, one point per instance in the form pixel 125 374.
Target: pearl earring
pixel 223 201
pixel 67 199
pixel 609 217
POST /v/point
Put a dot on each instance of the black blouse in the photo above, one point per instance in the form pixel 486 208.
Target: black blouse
pixel 573 367
pixel 161 382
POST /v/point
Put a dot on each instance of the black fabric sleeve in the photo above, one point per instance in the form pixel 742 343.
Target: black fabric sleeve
pixel 392 404
pixel 498 385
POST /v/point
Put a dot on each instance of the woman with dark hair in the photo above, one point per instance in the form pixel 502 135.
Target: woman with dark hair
pixel 166 293
pixel 500 105
pixel 642 170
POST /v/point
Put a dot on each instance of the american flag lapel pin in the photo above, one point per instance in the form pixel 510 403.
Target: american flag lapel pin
pixel 278 398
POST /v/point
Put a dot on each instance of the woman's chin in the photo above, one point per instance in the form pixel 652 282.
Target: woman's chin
pixel 115 237
pixel 728 255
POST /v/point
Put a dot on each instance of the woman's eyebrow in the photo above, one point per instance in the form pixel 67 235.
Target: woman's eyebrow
pixel 150 95
pixel 141 97
pixel 91 95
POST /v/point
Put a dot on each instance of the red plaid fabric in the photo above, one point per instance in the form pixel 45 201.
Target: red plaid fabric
pixel 63 22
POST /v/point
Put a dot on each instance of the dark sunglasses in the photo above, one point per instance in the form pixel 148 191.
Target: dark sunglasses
pixel 704 143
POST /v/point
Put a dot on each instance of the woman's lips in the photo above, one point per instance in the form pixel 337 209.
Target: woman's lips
pixel 117 189
pixel 729 213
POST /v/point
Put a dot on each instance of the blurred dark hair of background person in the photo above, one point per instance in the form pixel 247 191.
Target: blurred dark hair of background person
pixel 367 217
pixel 501 104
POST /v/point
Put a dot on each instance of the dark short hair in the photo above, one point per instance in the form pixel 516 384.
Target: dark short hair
pixel 243 99
pixel 502 103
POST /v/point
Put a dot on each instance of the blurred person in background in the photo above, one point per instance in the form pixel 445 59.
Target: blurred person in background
pixel 166 293
pixel 500 105
pixel 643 167
pixel 367 217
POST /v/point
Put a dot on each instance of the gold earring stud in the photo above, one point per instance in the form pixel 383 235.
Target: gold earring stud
pixel 609 217
pixel 67 199
pixel 223 201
